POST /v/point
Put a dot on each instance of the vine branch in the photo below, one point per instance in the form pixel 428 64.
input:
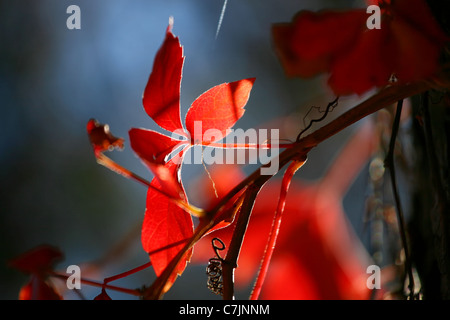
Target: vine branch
pixel 230 262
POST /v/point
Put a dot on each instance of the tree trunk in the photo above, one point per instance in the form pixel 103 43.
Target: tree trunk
pixel 429 227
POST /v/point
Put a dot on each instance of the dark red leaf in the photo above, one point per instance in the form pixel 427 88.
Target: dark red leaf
pixel 161 98
pixel 218 108
pixel 293 66
pixel 101 138
pixel 419 16
pixel 419 49
pixel 408 46
pixel 307 46
pixel 369 64
pixel 103 296
pixel 37 261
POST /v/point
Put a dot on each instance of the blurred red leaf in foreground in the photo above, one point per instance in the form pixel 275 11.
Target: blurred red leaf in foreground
pixel 38 262
pixel 407 46
pixel 317 255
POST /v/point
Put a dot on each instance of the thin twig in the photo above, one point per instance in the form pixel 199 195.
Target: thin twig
pixel 329 108
pixel 389 163
pixel 127 273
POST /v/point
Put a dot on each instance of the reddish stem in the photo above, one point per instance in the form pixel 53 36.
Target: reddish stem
pixel 127 273
pixel 114 166
pixel 133 292
pixel 105 284
pixel 145 265
pixel 268 252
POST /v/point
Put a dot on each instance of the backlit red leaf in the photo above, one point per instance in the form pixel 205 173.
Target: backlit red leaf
pixel 161 98
pixel 218 108
pixel 165 224
pixel 152 146
pixel 154 149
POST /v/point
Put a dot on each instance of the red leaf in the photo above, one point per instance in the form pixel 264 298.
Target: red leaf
pixel 419 16
pixel 161 98
pixel 103 296
pixel 101 138
pixel 307 47
pixel 218 108
pixel 293 66
pixel 411 51
pixel 164 224
pixel 38 289
pixel 37 261
pixel 153 148
pixel 317 42
pixel 357 58
pixel 369 64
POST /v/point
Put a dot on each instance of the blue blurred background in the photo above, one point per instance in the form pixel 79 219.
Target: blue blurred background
pixel 52 80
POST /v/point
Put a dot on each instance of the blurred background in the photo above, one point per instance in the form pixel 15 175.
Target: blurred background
pixel 53 80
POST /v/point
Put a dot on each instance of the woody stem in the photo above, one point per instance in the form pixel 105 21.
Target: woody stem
pixel 230 262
